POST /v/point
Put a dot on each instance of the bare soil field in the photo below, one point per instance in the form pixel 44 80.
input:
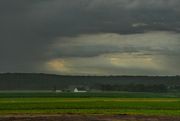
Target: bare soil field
pixel 86 117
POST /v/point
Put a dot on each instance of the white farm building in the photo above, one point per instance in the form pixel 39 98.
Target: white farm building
pixel 78 89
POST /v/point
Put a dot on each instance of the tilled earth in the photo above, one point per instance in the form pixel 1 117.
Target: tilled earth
pixel 86 117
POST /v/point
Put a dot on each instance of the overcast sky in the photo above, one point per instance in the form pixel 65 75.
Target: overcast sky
pixel 90 37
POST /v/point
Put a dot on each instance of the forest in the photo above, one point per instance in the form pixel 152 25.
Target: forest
pixel 155 88
pixel 41 81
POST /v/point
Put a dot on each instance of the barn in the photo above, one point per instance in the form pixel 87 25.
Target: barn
pixel 79 89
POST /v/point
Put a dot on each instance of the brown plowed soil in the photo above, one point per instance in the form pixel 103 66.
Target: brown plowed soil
pixel 85 117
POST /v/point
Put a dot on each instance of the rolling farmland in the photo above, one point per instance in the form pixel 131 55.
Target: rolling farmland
pixel 90 103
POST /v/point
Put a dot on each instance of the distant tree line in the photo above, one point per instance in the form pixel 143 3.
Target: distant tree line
pixel 40 81
pixel 155 88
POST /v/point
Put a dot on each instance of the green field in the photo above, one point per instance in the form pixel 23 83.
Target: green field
pixel 106 103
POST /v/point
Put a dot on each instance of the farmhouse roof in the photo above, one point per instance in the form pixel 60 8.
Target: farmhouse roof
pixel 81 88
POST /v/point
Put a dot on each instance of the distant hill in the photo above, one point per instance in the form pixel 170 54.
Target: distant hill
pixel 39 81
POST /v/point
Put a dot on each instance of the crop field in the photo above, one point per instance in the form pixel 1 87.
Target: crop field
pixel 90 103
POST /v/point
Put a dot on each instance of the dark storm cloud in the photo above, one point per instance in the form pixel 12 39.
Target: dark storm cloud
pixel 29 27
pixel 84 51
pixel 90 50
